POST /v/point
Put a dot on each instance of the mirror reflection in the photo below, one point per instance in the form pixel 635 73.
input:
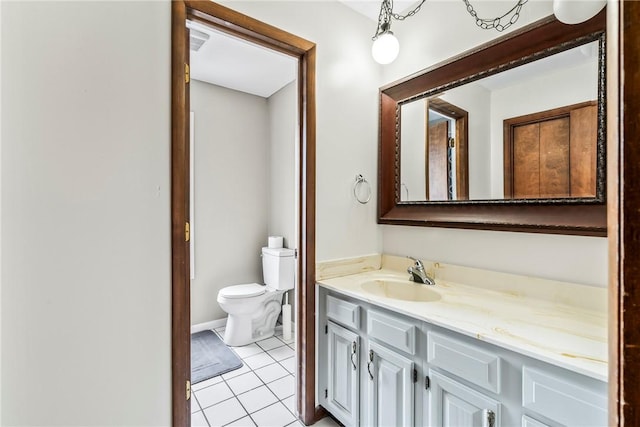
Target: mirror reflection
pixel 526 133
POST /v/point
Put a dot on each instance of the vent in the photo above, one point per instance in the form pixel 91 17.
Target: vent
pixel 197 39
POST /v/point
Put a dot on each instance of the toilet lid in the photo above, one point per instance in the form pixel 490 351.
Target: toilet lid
pixel 243 291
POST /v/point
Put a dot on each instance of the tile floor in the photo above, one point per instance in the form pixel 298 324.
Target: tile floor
pixel 260 393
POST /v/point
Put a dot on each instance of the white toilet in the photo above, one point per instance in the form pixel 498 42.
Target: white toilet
pixel 254 308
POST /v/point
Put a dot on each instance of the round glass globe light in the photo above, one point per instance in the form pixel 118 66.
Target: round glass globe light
pixel 575 12
pixel 385 48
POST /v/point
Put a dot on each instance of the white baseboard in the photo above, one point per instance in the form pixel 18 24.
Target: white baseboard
pixel 214 324
pixel 220 323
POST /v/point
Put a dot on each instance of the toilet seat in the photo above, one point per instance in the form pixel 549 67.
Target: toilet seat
pixel 242 291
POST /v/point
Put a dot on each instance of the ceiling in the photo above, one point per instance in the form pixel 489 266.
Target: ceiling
pixel 371 8
pixel 231 62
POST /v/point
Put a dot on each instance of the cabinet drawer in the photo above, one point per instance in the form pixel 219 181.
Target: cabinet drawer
pixel 562 399
pixel 530 422
pixel 343 312
pixel 392 331
pixel 473 364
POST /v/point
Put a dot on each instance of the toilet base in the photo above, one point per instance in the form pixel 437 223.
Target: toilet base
pixel 238 331
pixel 245 329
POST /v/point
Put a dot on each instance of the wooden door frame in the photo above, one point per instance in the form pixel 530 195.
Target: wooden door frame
pixel 623 200
pixel 461 117
pixel 243 26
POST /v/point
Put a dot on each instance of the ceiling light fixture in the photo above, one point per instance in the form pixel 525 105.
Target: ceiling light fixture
pixel 573 12
pixel 386 47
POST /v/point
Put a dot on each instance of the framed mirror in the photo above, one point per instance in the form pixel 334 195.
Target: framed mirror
pixel 507 136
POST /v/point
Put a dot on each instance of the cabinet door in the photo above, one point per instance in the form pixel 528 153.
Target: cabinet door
pixel 452 404
pixel 343 389
pixel 390 388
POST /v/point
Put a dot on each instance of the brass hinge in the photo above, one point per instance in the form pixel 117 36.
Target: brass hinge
pixel 452 142
pixel 187 77
pixel 188 389
pixel 187 234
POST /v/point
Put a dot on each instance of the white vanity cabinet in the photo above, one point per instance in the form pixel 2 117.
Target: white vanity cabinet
pixel 390 389
pixel 377 367
pixel 369 372
pixel 343 373
pixel 452 404
pixel 391 369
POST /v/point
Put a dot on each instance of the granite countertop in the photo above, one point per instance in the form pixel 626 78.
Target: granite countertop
pixel 545 327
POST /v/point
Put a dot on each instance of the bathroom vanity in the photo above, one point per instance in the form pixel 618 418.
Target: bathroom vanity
pixel 477 349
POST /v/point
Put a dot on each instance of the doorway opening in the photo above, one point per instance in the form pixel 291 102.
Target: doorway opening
pixel 221 19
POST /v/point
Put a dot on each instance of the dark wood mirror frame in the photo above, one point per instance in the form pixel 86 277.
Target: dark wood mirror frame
pixel 579 216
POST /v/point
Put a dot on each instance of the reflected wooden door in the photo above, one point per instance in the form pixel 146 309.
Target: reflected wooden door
pixel 552 154
pixel 437 159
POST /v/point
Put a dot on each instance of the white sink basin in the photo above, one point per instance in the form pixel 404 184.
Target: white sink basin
pixel 401 289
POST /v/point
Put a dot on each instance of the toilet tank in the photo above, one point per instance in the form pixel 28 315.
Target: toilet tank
pixel 278 267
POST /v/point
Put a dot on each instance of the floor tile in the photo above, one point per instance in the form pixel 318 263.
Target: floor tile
pixel 198 420
pixel 293 345
pixel 282 353
pixel 225 412
pixel 273 416
pixel 257 399
pixel 270 343
pixel 296 424
pixel 289 364
pixel 242 422
pixel 289 341
pixel 290 403
pixel 284 387
pixel 244 382
pixel 206 383
pixel 243 370
pixel 258 360
pixel 195 407
pixel 327 422
pixel 271 372
pixel 247 350
pixel 212 395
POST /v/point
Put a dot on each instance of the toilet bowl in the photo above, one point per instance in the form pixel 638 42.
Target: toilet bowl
pixel 253 308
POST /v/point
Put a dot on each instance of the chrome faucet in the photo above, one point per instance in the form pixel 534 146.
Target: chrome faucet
pixel 418 274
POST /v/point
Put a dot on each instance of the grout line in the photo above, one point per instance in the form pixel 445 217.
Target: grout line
pixel 251 370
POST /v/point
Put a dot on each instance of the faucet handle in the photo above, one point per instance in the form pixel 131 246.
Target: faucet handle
pixel 419 264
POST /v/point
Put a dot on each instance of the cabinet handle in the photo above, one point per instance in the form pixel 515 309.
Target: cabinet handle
pixel 353 353
pixel 369 363
pixel 489 418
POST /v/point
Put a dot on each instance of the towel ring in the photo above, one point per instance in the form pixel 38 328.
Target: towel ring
pixel 360 180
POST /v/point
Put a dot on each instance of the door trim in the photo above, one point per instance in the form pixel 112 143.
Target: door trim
pixel 243 26
pixel 623 157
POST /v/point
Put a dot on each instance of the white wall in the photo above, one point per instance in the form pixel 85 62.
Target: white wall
pixel 474 99
pixel 412 154
pixel 283 140
pixel 568 258
pixel 347 82
pixel 231 193
pixel 86 277
pixel 284 172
